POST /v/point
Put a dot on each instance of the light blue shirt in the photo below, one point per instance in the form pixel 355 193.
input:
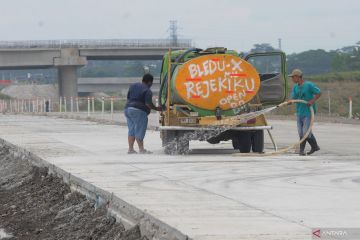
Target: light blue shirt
pixel 306 92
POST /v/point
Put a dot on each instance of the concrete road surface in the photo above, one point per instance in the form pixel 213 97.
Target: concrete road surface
pixel 210 194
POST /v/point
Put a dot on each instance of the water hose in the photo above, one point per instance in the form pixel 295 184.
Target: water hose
pixel 284 150
pixel 227 124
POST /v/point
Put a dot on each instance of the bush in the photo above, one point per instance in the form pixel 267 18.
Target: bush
pixel 4 97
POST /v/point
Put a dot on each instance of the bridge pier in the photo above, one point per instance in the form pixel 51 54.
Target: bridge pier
pixel 67 80
pixel 67 65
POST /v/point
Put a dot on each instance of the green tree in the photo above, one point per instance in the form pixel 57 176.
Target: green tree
pixel 312 61
pixel 262 47
pixel 339 62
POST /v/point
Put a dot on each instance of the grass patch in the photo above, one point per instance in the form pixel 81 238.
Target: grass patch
pixel 336 77
pixel 338 92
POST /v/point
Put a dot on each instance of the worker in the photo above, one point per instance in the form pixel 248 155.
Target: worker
pixel 47 106
pixel 308 91
pixel 137 108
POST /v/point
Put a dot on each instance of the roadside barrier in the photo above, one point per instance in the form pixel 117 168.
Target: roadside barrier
pixel 90 105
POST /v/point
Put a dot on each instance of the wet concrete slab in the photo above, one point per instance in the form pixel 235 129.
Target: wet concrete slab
pixel 210 194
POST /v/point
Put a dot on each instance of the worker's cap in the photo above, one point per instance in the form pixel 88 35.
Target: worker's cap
pixel 296 72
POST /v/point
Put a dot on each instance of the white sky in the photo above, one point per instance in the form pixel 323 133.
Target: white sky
pixel 236 24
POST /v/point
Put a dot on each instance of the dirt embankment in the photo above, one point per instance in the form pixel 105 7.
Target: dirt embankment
pixel 36 205
pixel 32 91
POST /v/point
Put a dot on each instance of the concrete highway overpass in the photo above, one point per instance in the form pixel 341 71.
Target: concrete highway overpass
pixel 68 56
pixel 118 85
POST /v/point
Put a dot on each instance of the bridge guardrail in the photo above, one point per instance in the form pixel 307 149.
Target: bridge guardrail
pixel 85 105
pixel 96 43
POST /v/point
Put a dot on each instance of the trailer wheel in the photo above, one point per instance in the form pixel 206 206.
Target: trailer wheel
pixel 175 142
pixel 257 141
pixel 182 143
pixel 169 142
pixel 242 142
pixel 235 143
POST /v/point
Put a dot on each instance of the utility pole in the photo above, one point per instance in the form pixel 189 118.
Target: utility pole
pixel 173 33
pixel 279 42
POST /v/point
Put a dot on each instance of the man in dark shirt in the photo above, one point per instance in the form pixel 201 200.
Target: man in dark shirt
pixel 137 108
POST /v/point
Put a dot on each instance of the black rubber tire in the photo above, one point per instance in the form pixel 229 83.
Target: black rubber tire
pixel 182 144
pixel 175 143
pixel 169 142
pixel 242 142
pixel 257 141
pixel 235 143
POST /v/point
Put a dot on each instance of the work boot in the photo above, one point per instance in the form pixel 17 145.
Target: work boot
pixel 314 146
pixel 302 148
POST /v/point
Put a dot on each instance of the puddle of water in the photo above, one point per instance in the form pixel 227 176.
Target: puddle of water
pixel 3 234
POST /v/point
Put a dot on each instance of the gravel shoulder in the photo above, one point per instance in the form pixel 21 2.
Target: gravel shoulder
pixel 37 205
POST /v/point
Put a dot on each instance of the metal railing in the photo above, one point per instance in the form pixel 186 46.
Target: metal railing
pixel 99 107
pixel 96 43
